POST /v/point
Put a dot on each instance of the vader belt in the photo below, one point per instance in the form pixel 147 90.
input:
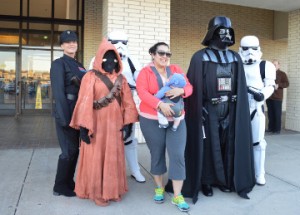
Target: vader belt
pixel 225 98
pixel 114 93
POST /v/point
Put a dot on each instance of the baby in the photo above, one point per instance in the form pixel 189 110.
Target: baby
pixel 175 80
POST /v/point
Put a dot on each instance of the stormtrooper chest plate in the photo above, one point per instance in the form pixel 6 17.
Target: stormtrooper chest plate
pixel 253 77
pixel 127 72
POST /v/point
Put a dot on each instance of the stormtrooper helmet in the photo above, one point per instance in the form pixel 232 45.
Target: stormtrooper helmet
pixel 119 39
pixel 249 50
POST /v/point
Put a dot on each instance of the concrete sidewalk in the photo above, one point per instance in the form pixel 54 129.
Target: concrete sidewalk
pixel 27 177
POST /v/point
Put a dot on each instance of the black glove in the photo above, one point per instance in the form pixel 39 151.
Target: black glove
pixel 256 95
pixel 127 129
pixel 84 135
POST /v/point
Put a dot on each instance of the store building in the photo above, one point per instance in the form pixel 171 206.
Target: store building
pixel 29 33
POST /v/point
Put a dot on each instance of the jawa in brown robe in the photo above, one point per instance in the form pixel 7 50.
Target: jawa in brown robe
pixel 103 115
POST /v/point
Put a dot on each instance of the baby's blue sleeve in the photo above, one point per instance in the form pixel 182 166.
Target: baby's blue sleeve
pixel 161 93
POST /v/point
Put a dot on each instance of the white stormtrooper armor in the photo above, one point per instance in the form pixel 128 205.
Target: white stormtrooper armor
pixel 260 87
pixel 119 39
pixel 131 69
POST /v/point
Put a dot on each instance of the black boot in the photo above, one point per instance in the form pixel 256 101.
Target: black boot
pixel 224 189
pixel 207 190
pixel 71 172
pixel 61 187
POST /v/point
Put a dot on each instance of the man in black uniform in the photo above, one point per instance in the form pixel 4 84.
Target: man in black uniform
pixel 66 74
pixel 219 147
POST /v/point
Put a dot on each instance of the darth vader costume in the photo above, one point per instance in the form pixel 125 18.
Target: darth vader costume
pixel 219 143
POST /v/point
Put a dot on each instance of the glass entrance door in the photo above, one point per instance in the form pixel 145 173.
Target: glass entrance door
pixel 9 90
pixel 25 82
pixel 35 79
pixel 36 89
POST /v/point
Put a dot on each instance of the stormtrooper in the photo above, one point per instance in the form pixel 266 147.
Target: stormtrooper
pixel 131 69
pixel 260 78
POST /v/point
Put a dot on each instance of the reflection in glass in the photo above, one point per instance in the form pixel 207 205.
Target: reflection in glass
pixel 43 40
pixel 66 9
pixel 57 54
pixel 10 39
pixel 7 80
pixel 36 75
pixel 37 26
pixel 10 7
pixel 9 33
pixel 38 8
pixel 8 25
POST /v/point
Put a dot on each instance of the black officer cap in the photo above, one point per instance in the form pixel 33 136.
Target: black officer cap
pixel 68 36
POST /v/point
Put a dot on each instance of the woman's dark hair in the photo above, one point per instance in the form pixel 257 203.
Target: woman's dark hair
pixel 153 49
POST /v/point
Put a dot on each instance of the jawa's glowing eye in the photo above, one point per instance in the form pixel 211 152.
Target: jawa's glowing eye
pixel 104 60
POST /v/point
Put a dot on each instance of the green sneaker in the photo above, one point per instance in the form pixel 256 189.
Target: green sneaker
pixel 159 195
pixel 180 203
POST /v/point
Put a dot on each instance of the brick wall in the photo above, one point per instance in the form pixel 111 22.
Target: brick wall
pixel 293 101
pixel 105 18
pixel 92 29
pixel 145 21
pixel 189 20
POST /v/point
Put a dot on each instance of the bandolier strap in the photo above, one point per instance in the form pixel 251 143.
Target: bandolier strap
pixel 114 91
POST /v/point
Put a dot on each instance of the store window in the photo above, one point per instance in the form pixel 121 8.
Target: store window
pixel 37 8
pixel 29 36
pixel 9 33
pixel 67 9
pixel 36 77
pixel 10 7
pixel 36 34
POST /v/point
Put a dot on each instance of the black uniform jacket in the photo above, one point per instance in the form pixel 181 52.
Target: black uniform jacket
pixel 65 88
pixel 240 138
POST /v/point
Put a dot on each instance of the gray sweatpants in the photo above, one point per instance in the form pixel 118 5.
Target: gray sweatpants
pixel 160 139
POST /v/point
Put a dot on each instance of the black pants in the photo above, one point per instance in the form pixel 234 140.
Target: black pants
pixel 274 114
pixel 69 143
pixel 68 139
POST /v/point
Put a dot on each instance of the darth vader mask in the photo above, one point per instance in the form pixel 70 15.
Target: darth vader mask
pixel 109 61
pixel 222 38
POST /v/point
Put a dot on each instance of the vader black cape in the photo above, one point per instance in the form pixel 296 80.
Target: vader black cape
pixel 240 169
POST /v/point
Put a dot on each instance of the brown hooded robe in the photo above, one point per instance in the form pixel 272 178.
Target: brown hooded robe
pixel 101 171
